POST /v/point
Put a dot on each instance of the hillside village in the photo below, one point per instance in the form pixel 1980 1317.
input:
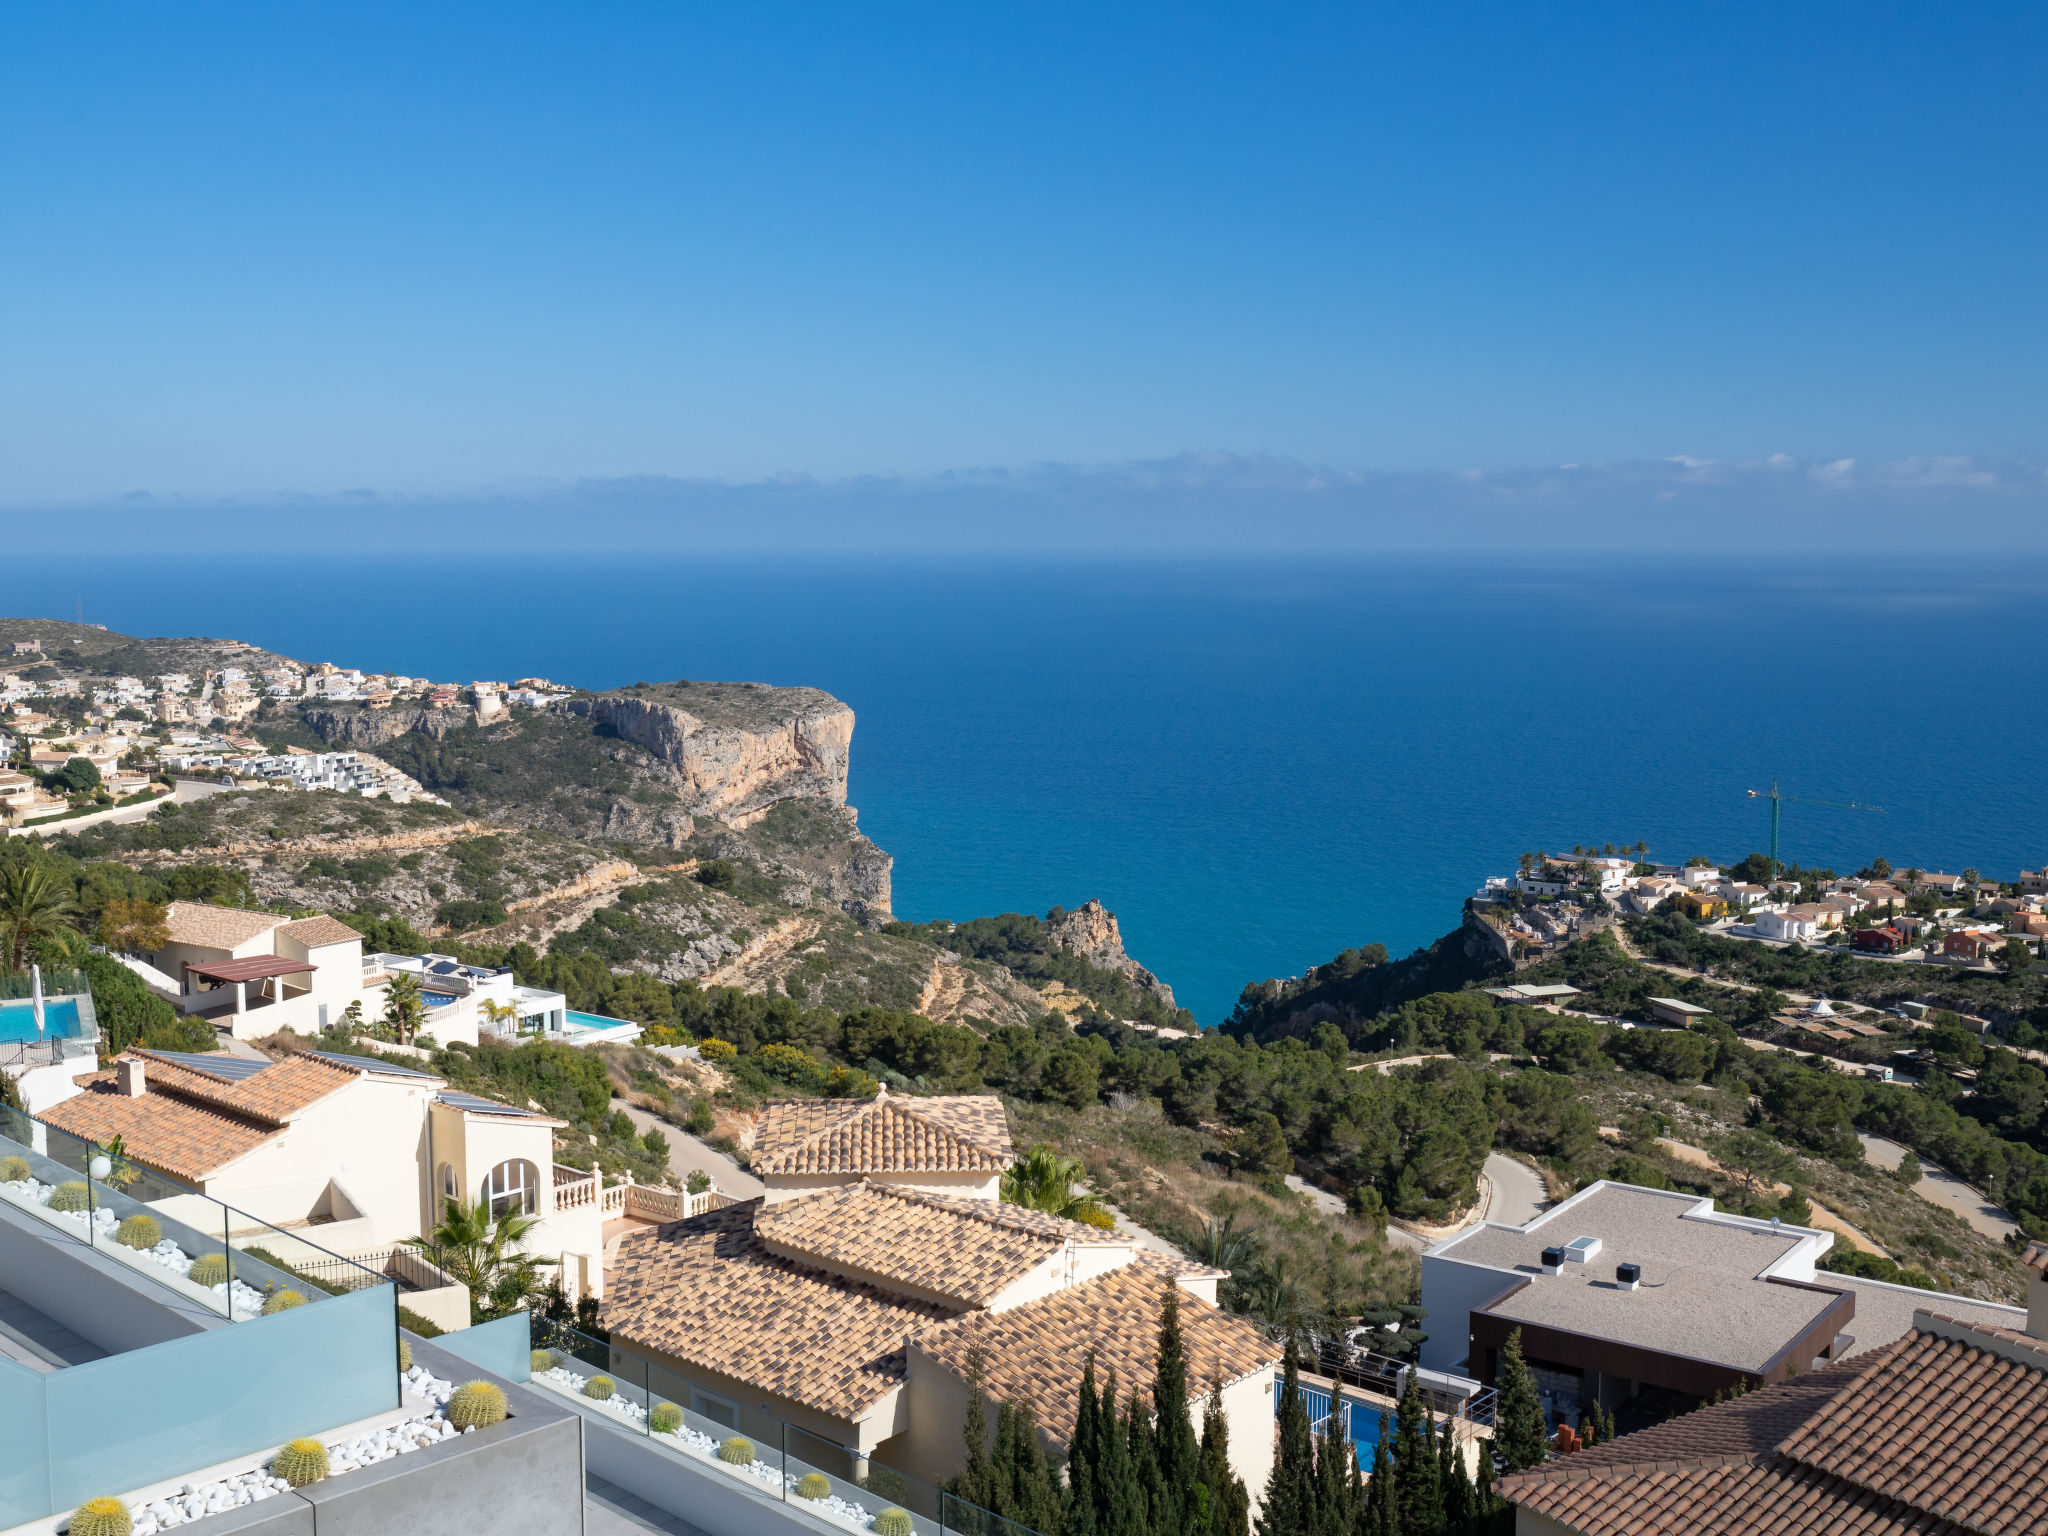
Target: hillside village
pixel 628 1101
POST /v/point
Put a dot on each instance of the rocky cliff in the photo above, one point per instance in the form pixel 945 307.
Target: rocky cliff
pixel 1090 931
pixel 742 750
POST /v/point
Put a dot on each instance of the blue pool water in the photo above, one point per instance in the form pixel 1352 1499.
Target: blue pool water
pixel 60 1019
pixel 437 999
pixel 591 1020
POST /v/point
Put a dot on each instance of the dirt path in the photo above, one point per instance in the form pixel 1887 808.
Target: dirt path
pixel 385 842
pixel 749 969
pixel 1700 1157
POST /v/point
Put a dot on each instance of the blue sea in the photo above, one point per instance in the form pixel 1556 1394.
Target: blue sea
pixel 1255 764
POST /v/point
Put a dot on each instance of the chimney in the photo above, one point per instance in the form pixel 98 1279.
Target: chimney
pixel 129 1079
pixel 2036 1261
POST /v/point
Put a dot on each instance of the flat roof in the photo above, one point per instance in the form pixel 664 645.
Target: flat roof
pixel 1678 1003
pixel 1703 1295
pixel 1532 992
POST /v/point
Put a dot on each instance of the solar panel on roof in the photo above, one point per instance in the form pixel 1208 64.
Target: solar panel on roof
pixel 445 968
pixel 369 1064
pixel 221 1064
pixel 481 1106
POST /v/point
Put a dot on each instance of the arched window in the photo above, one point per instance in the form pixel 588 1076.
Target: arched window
pixel 449 1189
pixel 513 1186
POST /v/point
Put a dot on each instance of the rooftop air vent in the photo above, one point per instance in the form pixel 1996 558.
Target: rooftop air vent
pixel 1628 1276
pixel 1553 1260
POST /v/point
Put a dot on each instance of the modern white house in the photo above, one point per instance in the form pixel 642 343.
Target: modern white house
pixel 1787 926
pixel 469 1002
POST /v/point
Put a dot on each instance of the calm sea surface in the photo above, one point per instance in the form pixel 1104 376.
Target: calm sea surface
pixel 1254 765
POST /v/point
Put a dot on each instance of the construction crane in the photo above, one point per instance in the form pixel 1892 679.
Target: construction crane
pixel 1777 800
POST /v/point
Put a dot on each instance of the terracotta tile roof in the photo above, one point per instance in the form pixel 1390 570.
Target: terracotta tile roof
pixel 209 927
pixel 883 1135
pixel 966 1251
pixel 315 931
pixel 185 1140
pixel 1034 1354
pixel 273 1095
pixel 1932 1436
pixel 1943 1426
pixel 704 1291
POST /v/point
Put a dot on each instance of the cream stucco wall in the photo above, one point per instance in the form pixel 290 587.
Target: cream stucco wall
pixel 975 1186
pixel 1248 1410
pixel 475 1144
pixel 368 1137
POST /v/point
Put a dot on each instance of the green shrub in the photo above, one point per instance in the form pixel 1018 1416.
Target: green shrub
pixel 139 1231
pixel 14 1170
pixel 209 1269
pixel 664 1419
pixel 738 1451
pixel 101 1517
pixel 404 1356
pixel 541 1360
pixel 894 1522
pixel 599 1388
pixel 813 1485
pixel 282 1301
pixel 475 1404
pixel 301 1462
pixel 72 1195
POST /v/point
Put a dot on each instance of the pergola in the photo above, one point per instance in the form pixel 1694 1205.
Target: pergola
pixel 239 973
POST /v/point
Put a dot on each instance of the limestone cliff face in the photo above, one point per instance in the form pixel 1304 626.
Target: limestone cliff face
pixel 1090 931
pixel 352 729
pixel 796 747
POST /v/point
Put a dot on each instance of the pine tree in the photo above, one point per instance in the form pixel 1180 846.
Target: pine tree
pixel 1084 1496
pixel 972 1482
pixel 1229 1505
pixel 1377 1517
pixel 1519 1431
pixel 1173 1430
pixel 1290 1505
pixel 1418 1502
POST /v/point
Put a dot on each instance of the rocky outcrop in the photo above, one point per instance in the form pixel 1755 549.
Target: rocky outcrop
pixel 1090 931
pixel 794 745
pixel 352 728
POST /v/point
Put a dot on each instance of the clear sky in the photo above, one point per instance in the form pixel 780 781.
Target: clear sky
pixel 437 249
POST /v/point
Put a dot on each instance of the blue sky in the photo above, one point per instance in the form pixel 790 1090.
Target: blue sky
pixel 458 251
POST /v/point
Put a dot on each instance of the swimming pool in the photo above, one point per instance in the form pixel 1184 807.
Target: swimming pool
pixel 18 1019
pixel 592 1020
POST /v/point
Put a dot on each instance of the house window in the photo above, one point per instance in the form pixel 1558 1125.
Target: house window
pixel 513 1187
pixel 448 1187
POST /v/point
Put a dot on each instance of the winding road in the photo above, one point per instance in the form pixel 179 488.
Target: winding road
pixel 1944 1189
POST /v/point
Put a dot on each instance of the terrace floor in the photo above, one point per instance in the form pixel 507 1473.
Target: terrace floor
pixel 41 1343
pixel 609 1510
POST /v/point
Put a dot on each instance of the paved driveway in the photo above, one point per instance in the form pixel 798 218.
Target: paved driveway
pixel 1944 1189
pixel 687 1154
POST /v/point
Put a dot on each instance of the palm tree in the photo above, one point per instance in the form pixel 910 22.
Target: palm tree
pixel 1222 1246
pixel 36 905
pixel 482 1252
pixel 1042 1180
pixel 500 1014
pixel 405 1008
pixel 1271 1292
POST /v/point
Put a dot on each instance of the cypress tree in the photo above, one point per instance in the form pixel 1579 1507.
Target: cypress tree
pixel 1173 1429
pixel 1084 1496
pixel 1418 1501
pixel 1026 1487
pixel 1454 1482
pixel 1333 1482
pixel 1162 1513
pixel 1229 1505
pixel 972 1481
pixel 1490 1516
pixel 1376 1518
pixel 1290 1506
pixel 1518 1420
pixel 1120 1501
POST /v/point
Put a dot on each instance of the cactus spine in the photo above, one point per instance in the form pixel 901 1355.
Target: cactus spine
pixel 139 1231
pixel 282 1301
pixel 599 1388
pixel 738 1451
pixel 894 1522
pixel 664 1419
pixel 209 1269
pixel 72 1195
pixel 101 1517
pixel 301 1462
pixel 475 1404
pixel 813 1485
pixel 15 1170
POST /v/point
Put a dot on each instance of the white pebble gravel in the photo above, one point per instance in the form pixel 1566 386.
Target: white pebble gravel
pixel 704 1447
pixel 104 1223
